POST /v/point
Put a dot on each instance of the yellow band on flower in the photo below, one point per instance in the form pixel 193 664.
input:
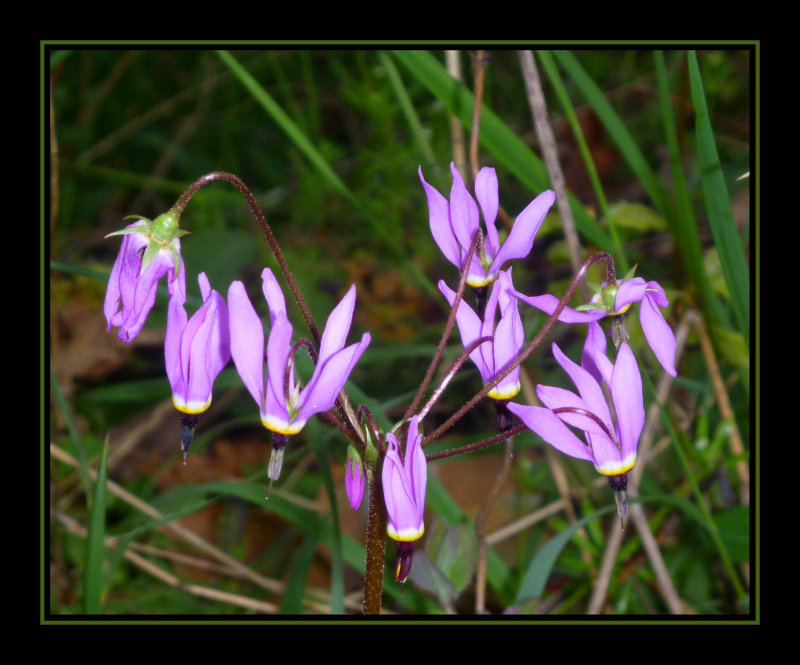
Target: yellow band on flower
pixel 504 393
pixel 405 535
pixel 192 407
pixel 617 468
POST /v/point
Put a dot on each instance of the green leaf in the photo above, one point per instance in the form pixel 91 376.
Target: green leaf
pixel 292 600
pixel 734 529
pixel 93 571
pixel 454 551
pixel 541 565
pixel 636 216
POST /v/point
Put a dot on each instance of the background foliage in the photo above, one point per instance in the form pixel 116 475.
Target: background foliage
pixel 329 141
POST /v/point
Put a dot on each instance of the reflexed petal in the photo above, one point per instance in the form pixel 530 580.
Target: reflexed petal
pixel 273 295
pixel 416 465
pixel 464 215
pixel 626 389
pixel 550 427
pixel 439 213
pixel 587 386
pixel 469 326
pixel 247 341
pixel 210 349
pixel 337 327
pixel 554 397
pixel 629 291
pixel 487 195
pixel 520 241
pixel 278 347
pixel 176 323
pixel 404 522
pixel 124 275
pixel 329 379
pixel 508 340
pixel 594 359
pixel 658 334
pixel 144 295
pixel 548 303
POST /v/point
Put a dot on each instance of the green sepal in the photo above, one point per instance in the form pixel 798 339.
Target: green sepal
pixel 144 230
pixel 176 257
pixel 630 273
pixel 150 253
pixel 589 307
pixel 371 455
pixel 164 228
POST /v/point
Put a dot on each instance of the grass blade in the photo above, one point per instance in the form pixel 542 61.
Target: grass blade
pixel 684 224
pixel 93 570
pixel 718 206
pixel 289 127
pixel 616 129
pixel 541 565
pixel 548 64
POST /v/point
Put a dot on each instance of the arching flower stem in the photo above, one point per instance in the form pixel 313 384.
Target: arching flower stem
pixel 478 445
pixel 180 204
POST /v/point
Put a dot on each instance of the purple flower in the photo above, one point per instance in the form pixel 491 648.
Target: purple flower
pixel 354 481
pixel 145 257
pixel 196 349
pixel 404 483
pixel 283 405
pixel 494 356
pixel 453 224
pixel 656 330
pixel 615 300
pixel 610 443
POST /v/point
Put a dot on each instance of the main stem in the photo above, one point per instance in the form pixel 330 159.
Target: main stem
pixel 376 546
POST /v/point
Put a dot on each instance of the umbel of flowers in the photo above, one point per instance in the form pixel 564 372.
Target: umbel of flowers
pixel 607 407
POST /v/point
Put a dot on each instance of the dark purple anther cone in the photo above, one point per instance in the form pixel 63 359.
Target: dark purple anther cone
pixel 481 295
pixel 188 423
pixel 279 441
pixel 620 486
pixel 404 551
pixel 504 416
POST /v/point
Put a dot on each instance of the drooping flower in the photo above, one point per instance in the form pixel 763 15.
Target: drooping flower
pixel 196 350
pixel 404 482
pixel 283 404
pixel 354 479
pixel 494 356
pixel 454 223
pixel 611 443
pixel 614 300
pixel 150 250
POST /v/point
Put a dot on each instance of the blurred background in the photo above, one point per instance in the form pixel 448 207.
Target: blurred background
pixel 655 149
